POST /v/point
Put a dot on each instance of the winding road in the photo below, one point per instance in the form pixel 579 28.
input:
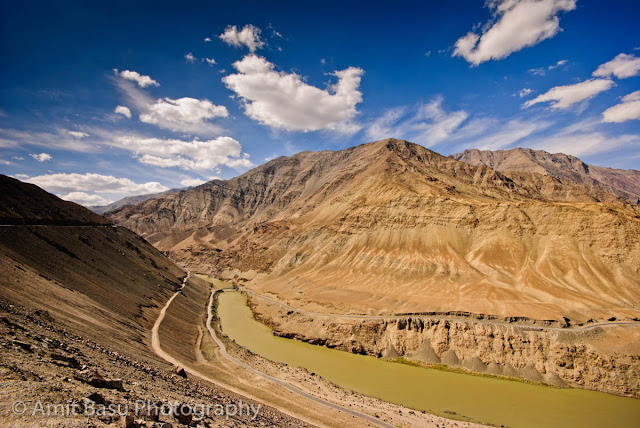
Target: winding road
pixel 438 317
pixel 155 345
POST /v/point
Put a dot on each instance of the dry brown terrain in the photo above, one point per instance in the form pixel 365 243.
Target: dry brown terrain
pixel 391 227
pixel 621 182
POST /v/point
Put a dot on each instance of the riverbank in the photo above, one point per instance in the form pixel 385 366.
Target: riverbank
pixel 318 386
pixel 490 400
pixel 602 358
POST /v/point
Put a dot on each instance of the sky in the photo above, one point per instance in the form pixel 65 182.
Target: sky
pixel 101 100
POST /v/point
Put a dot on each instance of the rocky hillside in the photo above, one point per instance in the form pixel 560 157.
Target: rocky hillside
pixel 620 182
pixel 90 276
pixel 23 203
pixel 130 200
pixel 392 227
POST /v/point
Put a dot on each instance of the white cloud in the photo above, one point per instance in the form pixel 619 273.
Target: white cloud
pixel 85 199
pixel 628 109
pixel 516 24
pixel 190 155
pixel 538 71
pixel 10 138
pixel 622 66
pixel 562 97
pixel 18 158
pixel 209 61
pixel 77 134
pixel 134 76
pixel 192 182
pixel 509 133
pixel 430 124
pixel 583 139
pixel 558 64
pixel 42 157
pixel 207 39
pixel 285 101
pixel 524 92
pixel 183 114
pixel 125 111
pixel 190 58
pixel 249 36
pixel 74 182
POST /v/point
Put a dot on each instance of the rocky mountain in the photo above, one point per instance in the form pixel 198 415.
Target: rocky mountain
pixel 130 200
pixel 620 182
pixel 392 227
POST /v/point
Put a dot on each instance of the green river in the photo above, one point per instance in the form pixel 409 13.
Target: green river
pixel 475 398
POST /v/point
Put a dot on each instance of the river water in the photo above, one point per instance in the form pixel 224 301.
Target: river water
pixel 448 394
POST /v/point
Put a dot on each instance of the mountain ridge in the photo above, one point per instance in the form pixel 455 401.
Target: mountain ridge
pixel 622 183
pixel 391 227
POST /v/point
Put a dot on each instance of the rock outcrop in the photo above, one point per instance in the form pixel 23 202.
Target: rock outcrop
pixel 593 359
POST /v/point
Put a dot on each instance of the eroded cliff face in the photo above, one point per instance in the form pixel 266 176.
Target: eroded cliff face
pixel 602 359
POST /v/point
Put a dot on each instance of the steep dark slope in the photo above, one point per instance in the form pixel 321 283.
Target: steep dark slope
pixel 92 277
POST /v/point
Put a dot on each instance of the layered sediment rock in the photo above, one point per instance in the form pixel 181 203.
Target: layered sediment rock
pixel 587 359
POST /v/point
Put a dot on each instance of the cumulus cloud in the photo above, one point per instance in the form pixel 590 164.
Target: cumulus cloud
pixel 183 114
pixel 209 61
pixel 74 182
pixel 125 111
pixel 190 58
pixel 190 155
pixel 85 199
pixel 622 66
pixel 77 134
pixel 207 39
pixel 192 182
pixel 249 36
pixel 283 100
pixel 516 24
pixel 562 97
pixel 628 109
pixel 429 125
pixel 134 76
pixel 42 157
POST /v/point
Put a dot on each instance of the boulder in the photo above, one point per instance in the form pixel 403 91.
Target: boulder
pixel 183 414
pixel 181 372
pixel 97 398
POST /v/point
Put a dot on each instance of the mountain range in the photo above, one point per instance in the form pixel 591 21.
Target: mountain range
pixel 392 227
pixel 624 183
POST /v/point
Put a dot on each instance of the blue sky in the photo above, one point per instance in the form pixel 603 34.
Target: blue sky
pixel 99 100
